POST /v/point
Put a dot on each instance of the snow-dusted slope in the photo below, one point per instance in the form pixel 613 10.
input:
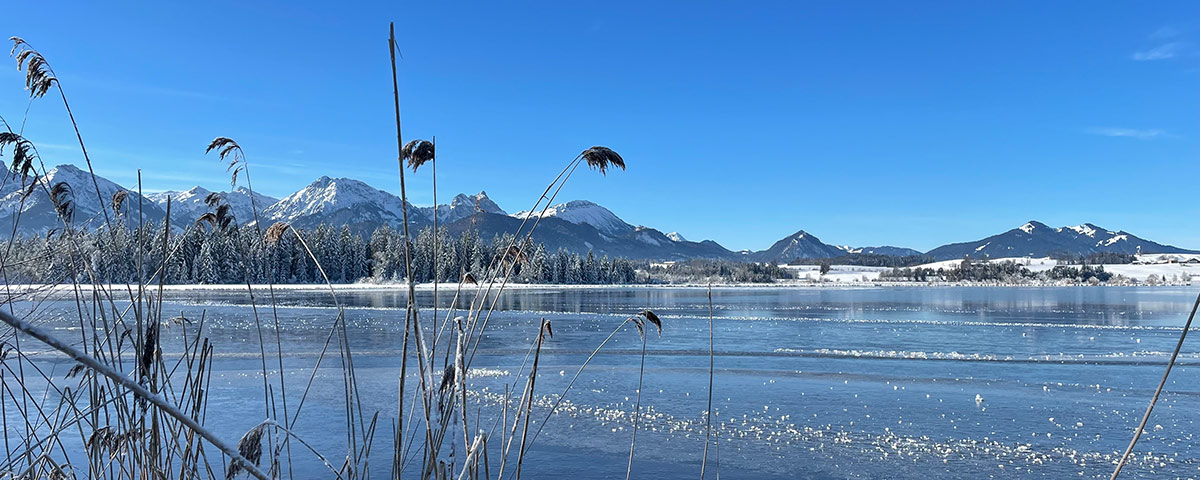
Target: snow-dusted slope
pixel 37 211
pixel 188 205
pixel 464 206
pixel 676 237
pixel 881 250
pixel 586 213
pixel 339 201
pixel 797 245
pixel 1037 239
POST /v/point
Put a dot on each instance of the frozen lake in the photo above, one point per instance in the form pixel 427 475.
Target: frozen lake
pixel 810 383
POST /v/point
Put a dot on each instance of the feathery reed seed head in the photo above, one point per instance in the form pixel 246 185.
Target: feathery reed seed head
pixel 38 75
pixel 24 153
pixel 212 199
pixel 229 151
pixel 600 158
pixel 250 447
pixel 417 152
pixel 118 199
pixel 275 232
pixel 64 200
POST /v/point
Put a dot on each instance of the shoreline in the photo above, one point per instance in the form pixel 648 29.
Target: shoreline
pixel 20 289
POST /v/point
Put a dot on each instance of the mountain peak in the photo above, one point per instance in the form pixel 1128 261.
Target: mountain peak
pixel 1035 239
pixel 1032 225
pixel 464 206
pixel 583 212
pixel 797 245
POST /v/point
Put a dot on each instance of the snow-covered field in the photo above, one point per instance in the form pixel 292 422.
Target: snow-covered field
pixel 806 275
pixel 1170 272
pixel 837 273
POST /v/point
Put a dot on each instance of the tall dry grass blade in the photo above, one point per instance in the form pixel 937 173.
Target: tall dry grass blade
pixel 39 77
pixel 711 365
pixel 119 379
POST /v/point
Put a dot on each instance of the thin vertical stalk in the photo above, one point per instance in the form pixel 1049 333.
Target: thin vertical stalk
pixel 125 382
pixel 711 364
pixel 637 410
pixel 407 261
pixel 1158 391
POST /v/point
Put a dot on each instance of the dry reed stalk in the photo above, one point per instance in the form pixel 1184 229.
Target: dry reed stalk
pixel 39 77
pixel 711 364
pixel 543 332
pixel 231 152
pixel 408 315
pixel 141 392
pixel 637 409
pixel 1137 433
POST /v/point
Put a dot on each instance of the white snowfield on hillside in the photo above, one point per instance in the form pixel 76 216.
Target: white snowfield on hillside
pixel 1140 272
pixel 189 205
pixel 1153 258
pixel 329 194
pixel 585 213
pixel 837 273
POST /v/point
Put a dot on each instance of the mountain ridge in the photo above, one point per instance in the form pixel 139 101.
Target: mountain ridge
pixel 576 225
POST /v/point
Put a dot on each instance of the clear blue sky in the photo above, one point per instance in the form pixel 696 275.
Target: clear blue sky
pixel 907 123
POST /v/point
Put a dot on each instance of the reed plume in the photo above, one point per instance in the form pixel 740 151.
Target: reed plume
pixel 118 199
pixel 600 158
pixel 275 232
pixel 38 75
pixel 648 316
pixel 417 152
pixel 64 201
pixel 229 151
pixel 24 153
pixel 250 446
pixel 39 78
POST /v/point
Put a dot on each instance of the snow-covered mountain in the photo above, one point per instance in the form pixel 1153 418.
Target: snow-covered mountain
pixel 583 212
pixel 556 233
pixel 797 245
pixel 342 201
pixel 188 205
pixel 37 210
pixel 1038 239
pixel 464 206
pixel 881 250
pixel 577 225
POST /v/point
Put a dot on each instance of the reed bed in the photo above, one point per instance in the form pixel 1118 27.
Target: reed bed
pixel 138 396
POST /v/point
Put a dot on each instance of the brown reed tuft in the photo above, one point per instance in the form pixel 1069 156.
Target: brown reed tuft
pixel 76 370
pixel 118 199
pixel 275 232
pixel 600 158
pixel 250 447
pixel 64 200
pixel 212 199
pixel 24 153
pixel 417 152
pixel 229 151
pixel 209 218
pixel 653 319
pixel 38 76
pixel 515 255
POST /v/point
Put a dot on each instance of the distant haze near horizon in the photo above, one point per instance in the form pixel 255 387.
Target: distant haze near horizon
pixel 742 126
